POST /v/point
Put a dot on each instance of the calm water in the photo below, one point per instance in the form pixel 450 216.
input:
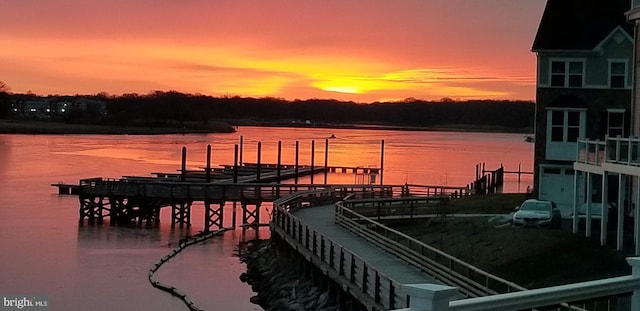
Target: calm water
pixel 46 252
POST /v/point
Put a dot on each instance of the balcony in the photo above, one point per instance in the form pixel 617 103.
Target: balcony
pixel 614 150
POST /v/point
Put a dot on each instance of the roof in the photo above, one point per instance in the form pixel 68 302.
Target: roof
pixel 580 24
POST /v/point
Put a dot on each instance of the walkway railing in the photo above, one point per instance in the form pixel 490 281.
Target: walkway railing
pixel 169 189
pixel 487 291
pixel 471 281
pixel 368 285
pixel 375 289
pixel 584 294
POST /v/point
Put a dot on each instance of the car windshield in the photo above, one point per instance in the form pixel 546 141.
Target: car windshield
pixel 535 206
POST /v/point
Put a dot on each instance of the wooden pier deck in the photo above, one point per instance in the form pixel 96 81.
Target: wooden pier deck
pixel 139 199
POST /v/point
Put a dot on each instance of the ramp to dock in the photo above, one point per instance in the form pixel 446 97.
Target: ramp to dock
pixel 321 218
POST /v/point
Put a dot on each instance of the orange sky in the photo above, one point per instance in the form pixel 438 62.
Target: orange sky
pixel 360 50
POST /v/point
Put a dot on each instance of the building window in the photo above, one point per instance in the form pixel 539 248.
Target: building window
pixel 565 125
pixel 617 74
pixel 615 122
pixel 553 171
pixel 567 73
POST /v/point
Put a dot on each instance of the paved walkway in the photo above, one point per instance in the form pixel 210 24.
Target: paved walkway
pixel 321 218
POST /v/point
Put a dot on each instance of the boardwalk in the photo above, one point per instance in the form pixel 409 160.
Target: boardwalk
pixel 306 221
pixel 322 219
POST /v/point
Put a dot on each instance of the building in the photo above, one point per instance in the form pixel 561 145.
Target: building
pixel 584 52
pixel 50 107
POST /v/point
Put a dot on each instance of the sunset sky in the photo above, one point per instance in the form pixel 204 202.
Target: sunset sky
pixel 365 51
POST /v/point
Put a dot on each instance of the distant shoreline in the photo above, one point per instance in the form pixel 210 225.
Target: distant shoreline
pixel 443 128
pixel 61 128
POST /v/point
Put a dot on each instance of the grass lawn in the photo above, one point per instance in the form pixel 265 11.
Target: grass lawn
pixel 530 257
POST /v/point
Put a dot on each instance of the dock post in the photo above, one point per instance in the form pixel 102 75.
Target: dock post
pixel 241 145
pixel 313 151
pixel 213 216
pixel 180 213
pixel 235 164
pixel 381 161
pixel 295 179
pixel 233 215
pixel 244 212
pixel 183 170
pixel 259 162
pixel 519 172
pixel 278 170
pixel 326 159
pixel 207 216
pixel 208 173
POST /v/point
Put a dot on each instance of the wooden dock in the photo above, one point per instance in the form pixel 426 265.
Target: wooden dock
pixel 67 189
pixel 139 199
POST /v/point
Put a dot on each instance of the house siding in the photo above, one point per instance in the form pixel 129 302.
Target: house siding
pixel 597 102
pixel 596 63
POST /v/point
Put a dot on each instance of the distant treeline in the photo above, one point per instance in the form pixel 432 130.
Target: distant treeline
pixel 162 107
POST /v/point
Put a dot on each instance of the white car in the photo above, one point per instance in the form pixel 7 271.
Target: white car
pixel 595 209
pixel 537 213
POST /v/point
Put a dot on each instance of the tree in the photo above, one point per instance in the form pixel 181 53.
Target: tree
pixel 5 103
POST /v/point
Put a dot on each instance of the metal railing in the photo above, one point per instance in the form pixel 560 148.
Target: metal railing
pixel 583 296
pixel 471 280
pixel 370 286
pixel 488 292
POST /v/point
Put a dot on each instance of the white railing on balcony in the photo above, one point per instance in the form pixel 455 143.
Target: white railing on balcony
pixel 619 150
pixel 435 297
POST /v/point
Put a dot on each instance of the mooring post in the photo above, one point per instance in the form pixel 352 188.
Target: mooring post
pixel 295 179
pixel 207 216
pixel 278 170
pixel 519 172
pixel 241 140
pixel 235 164
pixel 326 159
pixel 208 173
pixel 233 215
pixel 183 170
pixel 313 151
pixel 381 161
pixel 259 162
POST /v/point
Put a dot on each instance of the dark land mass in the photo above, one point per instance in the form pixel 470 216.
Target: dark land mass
pixel 193 113
pixel 58 127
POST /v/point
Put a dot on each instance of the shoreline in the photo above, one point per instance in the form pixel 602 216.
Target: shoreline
pixel 61 128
